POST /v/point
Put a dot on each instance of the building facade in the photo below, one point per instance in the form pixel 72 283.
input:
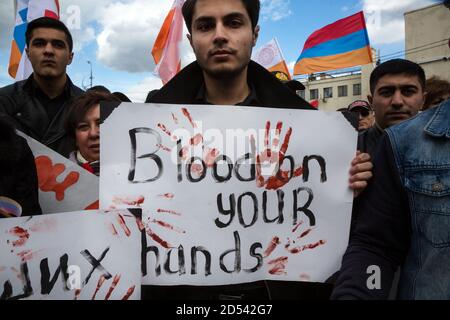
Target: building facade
pixel 427 39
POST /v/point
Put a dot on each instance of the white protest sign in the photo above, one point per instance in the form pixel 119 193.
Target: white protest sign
pixel 218 207
pixel 79 255
pixel 64 186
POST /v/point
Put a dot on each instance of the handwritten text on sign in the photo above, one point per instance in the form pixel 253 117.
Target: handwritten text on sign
pixel 231 194
pixel 80 255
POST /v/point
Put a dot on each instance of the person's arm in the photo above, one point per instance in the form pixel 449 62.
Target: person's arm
pixel 381 235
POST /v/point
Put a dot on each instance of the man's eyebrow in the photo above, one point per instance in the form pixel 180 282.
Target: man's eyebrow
pixel 403 86
pixel 231 15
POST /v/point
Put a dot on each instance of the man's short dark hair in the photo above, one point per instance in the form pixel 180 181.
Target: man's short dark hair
pixel 51 23
pixel 396 66
pixel 252 7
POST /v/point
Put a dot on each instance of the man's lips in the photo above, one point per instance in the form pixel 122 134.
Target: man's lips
pixel 221 53
pixel 398 114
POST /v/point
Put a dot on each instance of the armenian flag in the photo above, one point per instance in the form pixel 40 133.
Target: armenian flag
pixel 342 44
pixel 26 11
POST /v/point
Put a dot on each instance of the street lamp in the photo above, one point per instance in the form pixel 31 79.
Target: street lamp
pixel 91 77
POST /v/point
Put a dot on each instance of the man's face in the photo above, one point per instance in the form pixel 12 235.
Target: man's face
pixel 396 98
pixel 366 118
pixel 49 52
pixel 222 37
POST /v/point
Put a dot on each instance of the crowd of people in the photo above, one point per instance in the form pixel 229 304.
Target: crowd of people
pixel 400 176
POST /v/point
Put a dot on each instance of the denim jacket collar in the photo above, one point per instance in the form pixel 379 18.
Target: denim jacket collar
pixel 439 125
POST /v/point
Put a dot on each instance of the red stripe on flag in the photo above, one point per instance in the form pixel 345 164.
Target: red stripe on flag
pixel 51 14
pixel 336 30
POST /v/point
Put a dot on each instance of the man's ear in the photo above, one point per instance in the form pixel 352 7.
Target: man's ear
pixel 189 37
pixel 370 98
pixel 255 35
pixel 28 52
pixel 70 58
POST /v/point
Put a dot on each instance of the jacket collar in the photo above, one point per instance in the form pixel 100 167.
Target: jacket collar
pixel 439 125
pixel 184 88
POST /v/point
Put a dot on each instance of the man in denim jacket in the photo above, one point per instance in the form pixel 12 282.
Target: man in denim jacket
pixel 404 215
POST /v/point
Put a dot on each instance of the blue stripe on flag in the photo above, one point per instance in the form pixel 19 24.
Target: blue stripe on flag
pixel 351 42
pixel 19 36
pixel 23 14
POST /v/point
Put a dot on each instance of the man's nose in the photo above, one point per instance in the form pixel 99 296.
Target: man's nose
pixel 397 99
pixel 220 34
pixel 94 132
pixel 48 49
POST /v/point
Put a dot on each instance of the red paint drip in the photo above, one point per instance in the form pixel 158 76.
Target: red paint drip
pixel 45 225
pixel 140 224
pixel 266 135
pixel 296 227
pixel 167 195
pixel 271 247
pixel 168 211
pixel 123 224
pixel 188 116
pixel 100 282
pixel 278 266
pixel 26 255
pixel 304 234
pixel 195 140
pixel 113 286
pixel 113 230
pixel 157 239
pixel 168 226
pixel 175 119
pixel 22 234
pixel 129 293
pixel 164 148
pixel 314 245
pixel 210 156
pixel 164 129
pixel 77 294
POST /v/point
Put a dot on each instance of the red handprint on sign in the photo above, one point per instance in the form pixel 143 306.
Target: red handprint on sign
pixel 48 173
pixel 269 162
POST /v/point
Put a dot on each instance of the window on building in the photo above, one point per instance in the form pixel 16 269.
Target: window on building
pixel 301 93
pixel 357 89
pixel 342 91
pixel 328 92
pixel 313 94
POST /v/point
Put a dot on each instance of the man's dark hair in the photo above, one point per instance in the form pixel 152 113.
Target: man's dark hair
pixel 51 23
pixel 396 66
pixel 252 7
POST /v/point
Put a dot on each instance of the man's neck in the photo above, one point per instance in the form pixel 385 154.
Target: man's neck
pixel 53 87
pixel 227 91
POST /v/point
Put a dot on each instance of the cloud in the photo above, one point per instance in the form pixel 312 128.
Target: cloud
pixel 138 93
pixel 385 21
pixel 275 9
pixel 6 24
pixel 128 32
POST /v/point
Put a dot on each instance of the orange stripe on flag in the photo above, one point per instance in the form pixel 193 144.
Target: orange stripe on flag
pixel 345 60
pixel 14 59
pixel 163 36
pixel 282 67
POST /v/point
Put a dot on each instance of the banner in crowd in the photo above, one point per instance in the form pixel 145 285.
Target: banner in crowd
pixel 78 255
pixel 64 186
pixel 231 194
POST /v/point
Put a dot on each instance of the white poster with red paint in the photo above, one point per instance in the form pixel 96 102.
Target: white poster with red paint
pixel 71 256
pixel 231 194
pixel 64 186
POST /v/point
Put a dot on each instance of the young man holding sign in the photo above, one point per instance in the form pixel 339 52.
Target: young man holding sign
pixel 222 35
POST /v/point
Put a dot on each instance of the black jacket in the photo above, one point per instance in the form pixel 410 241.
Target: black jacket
pixel 18 177
pixel 185 86
pixel 24 111
pixel 270 92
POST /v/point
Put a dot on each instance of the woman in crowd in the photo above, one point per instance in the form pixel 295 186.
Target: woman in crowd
pixel 83 124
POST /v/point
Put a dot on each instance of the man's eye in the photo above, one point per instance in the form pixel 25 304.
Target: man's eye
pixel 38 43
pixel 385 93
pixel 408 92
pixel 59 44
pixel 204 27
pixel 235 23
